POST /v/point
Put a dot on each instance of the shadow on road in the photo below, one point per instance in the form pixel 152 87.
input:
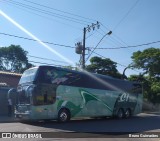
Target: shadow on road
pixel 109 125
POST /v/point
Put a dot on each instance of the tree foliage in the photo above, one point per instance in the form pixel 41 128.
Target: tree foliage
pixel 145 84
pixel 13 59
pixel 103 66
pixel 149 61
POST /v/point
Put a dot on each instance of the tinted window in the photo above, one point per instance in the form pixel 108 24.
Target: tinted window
pixel 53 76
pixel 46 75
pixel 44 94
pixel 28 76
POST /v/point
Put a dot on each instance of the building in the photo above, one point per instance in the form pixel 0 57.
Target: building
pixel 8 80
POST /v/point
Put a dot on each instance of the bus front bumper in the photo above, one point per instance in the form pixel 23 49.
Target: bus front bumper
pixel 22 116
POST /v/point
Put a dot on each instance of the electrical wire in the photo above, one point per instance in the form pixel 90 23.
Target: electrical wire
pixel 133 46
pixel 42 16
pixel 123 18
pixel 63 17
pixel 44 11
pixel 116 62
pixel 41 63
pixel 35 40
pixel 47 59
pixel 96 46
pixel 114 36
pixel 60 10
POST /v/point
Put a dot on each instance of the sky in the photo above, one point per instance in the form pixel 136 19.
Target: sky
pixel 132 22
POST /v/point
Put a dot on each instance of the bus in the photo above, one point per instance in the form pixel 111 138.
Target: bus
pixel 54 93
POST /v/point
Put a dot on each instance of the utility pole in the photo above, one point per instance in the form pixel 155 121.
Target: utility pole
pixel 80 49
pixel 84 48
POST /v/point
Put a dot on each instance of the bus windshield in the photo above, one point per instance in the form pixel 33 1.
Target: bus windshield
pixel 28 76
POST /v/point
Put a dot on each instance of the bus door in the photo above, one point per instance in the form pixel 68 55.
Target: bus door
pixel 48 79
pixel 44 99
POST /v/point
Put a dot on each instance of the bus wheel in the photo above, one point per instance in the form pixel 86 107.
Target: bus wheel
pixel 63 115
pixel 120 113
pixel 127 113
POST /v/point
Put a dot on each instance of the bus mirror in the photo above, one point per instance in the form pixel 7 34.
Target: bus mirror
pixel 11 91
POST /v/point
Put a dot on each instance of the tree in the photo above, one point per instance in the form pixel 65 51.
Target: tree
pixel 13 59
pixel 103 66
pixel 145 84
pixel 148 60
pixel 155 90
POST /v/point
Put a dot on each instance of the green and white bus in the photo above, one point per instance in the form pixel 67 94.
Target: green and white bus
pixel 53 93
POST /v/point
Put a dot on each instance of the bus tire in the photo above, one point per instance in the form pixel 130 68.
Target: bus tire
pixel 120 113
pixel 127 113
pixel 63 115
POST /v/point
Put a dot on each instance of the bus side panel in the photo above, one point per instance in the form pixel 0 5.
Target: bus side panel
pixel 101 102
pixel 85 102
pixel 138 108
pixel 43 112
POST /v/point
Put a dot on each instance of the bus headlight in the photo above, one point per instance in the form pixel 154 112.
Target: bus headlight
pixel 27 112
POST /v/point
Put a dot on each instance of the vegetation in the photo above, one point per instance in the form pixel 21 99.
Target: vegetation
pixel 103 66
pixel 149 61
pixel 13 59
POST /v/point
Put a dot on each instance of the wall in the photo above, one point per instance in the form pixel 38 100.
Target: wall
pixel 11 79
pixel 7 81
pixel 3 101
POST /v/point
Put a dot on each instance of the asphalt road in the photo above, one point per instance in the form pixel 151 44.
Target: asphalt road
pixel 96 127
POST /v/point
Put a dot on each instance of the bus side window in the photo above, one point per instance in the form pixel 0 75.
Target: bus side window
pixel 45 98
pixel 51 99
pixel 72 78
pixel 38 100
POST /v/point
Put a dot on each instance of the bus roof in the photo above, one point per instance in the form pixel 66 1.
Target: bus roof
pixel 85 73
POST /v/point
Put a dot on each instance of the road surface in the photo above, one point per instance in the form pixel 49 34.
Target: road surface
pixel 97 128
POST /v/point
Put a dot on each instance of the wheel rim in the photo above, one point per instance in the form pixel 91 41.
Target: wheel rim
pixel 120 113
pixel 127 114
pixel 63 116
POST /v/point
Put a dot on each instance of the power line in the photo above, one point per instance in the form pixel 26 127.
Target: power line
pixel 46 59
pixel 41 63
pixel 133 6
pixel 60 10
pixel 42 16
pixel 145 44
pixel 123 18
pixel 123 47
pixel 113 34
pixel 35 40
pixel 106 58
pixel 116 62
pixel 40 10
pixel 134 46
pixel 114 38
pixel 64 17
pixel 98 44
pixel 111 38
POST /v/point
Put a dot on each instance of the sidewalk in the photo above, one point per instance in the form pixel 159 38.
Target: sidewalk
pixel 6 119
pixel 152 112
